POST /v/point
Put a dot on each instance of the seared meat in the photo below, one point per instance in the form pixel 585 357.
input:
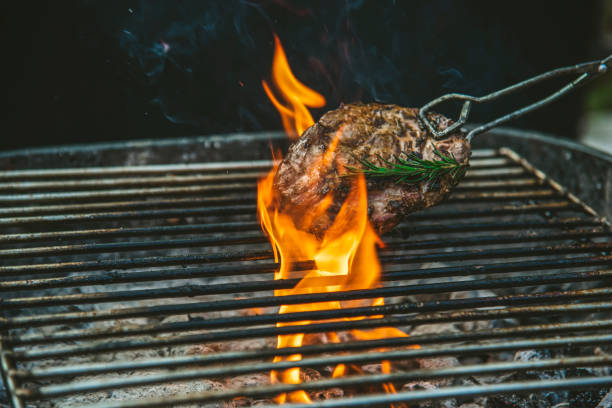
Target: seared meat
pixel 307 174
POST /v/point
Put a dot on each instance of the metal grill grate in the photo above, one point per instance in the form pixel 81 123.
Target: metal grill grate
pixel 148 286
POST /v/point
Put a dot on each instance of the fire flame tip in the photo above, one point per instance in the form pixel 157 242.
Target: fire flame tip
pixel 295 96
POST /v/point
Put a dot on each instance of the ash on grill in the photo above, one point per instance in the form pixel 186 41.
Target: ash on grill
pixel 151 285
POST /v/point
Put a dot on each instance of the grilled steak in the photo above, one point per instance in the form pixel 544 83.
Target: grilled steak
pixel 308 174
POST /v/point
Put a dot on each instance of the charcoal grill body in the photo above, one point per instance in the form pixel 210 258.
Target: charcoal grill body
pixel 153 247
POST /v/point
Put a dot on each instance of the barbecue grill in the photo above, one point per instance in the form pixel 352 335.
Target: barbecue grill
pixel 136 275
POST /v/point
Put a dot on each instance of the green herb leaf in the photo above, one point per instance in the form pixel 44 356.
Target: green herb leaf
pixel 412 169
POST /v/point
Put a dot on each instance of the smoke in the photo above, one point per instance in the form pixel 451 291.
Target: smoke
pixel 91 70
pixel 202 62
pixel 193 56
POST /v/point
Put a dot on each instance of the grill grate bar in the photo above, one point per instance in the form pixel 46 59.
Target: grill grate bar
pixel 500 183
pixel 174 180
pixel 524 387
pixel 258 238
pixel 500 253
pixel 252 238
pixel 480 157
pixel 378 399
pixel 469 195
pixel 101 183
pixel 459 198
pixel 387 310
pixel 127 215
pixel 131 170
pixel 36 284
pixel 126 205
pixel 495 239
pixel 421 307
pixel 195 290
pixel 477 348
pixel 479 269
pixel 464 270
pixel 98 184
pixel 478 178
pixel 460 227
pixel 571 328
pixel 164 261
pixel 135 263
pixel 161 230
pixel 69 209
pixel 132 192
pixel 497 211
pixel 482 369
pixel 141 276
pixel 252 210
pixel 264 301
pixel 255 226
pixel 7 365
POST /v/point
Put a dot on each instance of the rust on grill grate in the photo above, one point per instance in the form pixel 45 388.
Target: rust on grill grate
pixel 152 285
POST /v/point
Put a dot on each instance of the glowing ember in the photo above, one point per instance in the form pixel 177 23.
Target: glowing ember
pixel 345 256
pixel 295 96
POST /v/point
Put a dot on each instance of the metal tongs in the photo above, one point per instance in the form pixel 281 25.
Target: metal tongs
pixel 588 71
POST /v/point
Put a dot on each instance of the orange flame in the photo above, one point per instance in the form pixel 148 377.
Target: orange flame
pixel 295 95
pixel 345 257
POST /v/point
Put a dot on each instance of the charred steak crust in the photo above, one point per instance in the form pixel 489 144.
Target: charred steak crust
pixel 307 174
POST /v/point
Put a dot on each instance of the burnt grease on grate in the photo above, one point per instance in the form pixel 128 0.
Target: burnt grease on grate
pixel 153 285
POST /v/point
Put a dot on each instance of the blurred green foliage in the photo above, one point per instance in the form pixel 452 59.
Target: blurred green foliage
pixel 599 96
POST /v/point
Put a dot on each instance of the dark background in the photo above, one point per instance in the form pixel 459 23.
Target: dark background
pixel 85 71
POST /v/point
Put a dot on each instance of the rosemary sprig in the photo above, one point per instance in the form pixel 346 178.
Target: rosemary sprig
pixel 412 169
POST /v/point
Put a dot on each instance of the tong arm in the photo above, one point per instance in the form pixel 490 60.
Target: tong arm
pixel 588 71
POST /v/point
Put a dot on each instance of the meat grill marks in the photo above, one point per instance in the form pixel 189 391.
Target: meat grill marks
pixel 145 291
pixel 317 164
